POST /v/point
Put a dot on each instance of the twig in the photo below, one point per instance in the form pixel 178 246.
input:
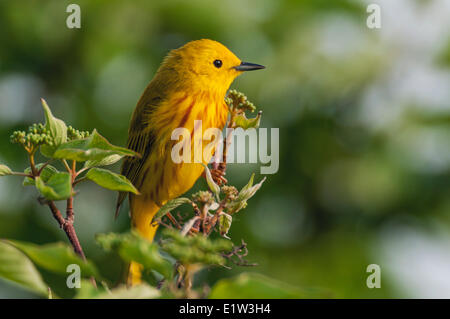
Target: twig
pixel 65 223
pixel 215 218
pixel 79 181
pixel 22 174
pixel 55 211
pixel 69 209
pixel 196 209
pixel 66 165
pixel 240 252
pixel 173 220
pixel 160 222
pixel 72 235
pixel 204 218
pixel 43 166
pixel 223 165
pixel 32 165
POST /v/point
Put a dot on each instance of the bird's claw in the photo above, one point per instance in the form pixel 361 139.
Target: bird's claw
pixel 218 176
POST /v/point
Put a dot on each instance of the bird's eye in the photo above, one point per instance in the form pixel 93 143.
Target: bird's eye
pixel 217 63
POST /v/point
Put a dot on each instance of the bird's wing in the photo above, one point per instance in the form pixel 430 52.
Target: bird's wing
pixel 141 140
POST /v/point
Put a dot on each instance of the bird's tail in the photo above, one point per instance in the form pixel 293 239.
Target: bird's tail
pixel 142 212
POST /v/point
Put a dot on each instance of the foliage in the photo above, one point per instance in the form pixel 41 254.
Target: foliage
pixel 256 286
pixel 17 268
pixel 186 246
pixel 55 257
pixel 61 143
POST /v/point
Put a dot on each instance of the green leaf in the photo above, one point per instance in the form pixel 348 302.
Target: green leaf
pixel 46 173
pixel 56 128
pixel 257 286
pixel 58 187
pixel 249 184
pixel 170 205
pixel 249 190
pixel 242 121
pixel 211 184
pixel 74 154
pixel 55 257
pixel 17 268
pixel 142 291
pixel 195 250
pixel 88 291
pixel 110 180
pixel 225 221
pixel 5 170
pixel 245 194
pixel 147 254
pixel 109 160
pixel 132 247
pixel 93 148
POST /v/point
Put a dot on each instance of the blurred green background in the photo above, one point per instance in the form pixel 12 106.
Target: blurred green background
pixel 363 114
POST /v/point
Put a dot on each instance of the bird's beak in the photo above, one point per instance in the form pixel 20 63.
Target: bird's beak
pixel 246 66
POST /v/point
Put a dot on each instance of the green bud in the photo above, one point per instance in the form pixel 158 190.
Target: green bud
pixel 18 137
pixel 74 134
pixel 5 170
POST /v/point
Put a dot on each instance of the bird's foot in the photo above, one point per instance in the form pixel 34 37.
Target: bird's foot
pixel 218 176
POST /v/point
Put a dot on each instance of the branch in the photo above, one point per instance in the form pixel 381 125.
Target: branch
pixel 43 166
pixel 55 211
pixel 65 223
pixel 240 252
pixel 72 235
pixel 223 165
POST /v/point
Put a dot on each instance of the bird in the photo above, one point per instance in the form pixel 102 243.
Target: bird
pixel 190 84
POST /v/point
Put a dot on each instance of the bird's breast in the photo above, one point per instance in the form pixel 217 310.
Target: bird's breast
pixel 194 113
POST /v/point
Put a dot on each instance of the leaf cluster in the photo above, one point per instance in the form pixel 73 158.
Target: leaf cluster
pixel 61 143
pixel 238 104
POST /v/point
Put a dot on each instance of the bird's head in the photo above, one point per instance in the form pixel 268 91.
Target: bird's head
pixel 208 64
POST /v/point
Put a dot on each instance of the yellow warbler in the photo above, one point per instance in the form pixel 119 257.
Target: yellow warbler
pixel 190 85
